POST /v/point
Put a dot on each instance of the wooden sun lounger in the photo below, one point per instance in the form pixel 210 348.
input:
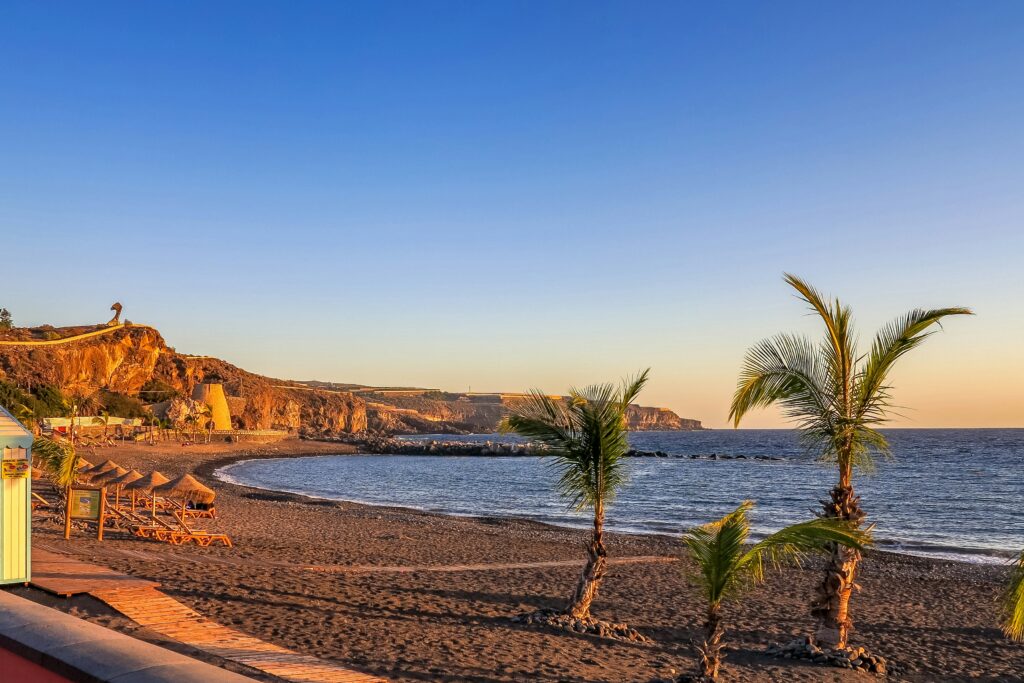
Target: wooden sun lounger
pixel 40 502
pixel 200 537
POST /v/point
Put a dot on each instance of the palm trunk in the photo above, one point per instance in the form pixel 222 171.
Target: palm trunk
pixel 831 603
pixel 593 572
pixel 710 650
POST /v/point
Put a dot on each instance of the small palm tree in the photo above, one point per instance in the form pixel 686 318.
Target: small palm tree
pixel 102 419
pixel 58 459
pixel 838 398
pixel 1013 606
pixel 26 416
pixel 585 435
pixel 726 567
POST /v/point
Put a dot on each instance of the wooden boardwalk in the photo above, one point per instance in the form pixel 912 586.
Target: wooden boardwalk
pixel 150 608
pixel 140 601
pixel 65 576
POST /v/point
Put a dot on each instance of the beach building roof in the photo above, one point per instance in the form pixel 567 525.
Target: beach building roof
pixel 148 482
pixel 187 487
pixel 10 427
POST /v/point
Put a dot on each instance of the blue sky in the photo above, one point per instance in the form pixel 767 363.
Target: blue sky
pixel 506 195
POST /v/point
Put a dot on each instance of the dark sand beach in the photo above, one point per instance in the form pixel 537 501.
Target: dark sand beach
pixel 415 596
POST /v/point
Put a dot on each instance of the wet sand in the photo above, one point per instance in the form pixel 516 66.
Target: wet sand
pixel 415 596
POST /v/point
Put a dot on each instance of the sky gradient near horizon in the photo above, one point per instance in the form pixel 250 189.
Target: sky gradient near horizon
pixel 507 195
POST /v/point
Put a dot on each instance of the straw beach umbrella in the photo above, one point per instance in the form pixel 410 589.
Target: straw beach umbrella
pixel 119 483
pixel 104 478
pixel 104 466
pixel 83 465
pixel 146 485
pixel 188 489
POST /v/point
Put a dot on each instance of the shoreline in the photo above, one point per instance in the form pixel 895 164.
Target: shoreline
pixel 416 595
pixel 214 470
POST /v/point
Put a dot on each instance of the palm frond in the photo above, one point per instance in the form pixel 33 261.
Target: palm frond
pixel 840 349
pixel 726 566
pixel 788 370
pixel 58 459
pixel 891 343
pixel 1013 603
pixel 794 542
pixel 716 548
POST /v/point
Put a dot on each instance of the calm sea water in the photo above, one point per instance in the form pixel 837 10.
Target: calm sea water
pixel 948 493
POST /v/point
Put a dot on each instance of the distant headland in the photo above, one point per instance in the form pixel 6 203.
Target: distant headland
pixel 135 374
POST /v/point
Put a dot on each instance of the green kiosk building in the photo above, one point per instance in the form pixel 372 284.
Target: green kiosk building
pixel 15 500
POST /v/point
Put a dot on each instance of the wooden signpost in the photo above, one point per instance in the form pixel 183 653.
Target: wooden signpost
pixel 88 503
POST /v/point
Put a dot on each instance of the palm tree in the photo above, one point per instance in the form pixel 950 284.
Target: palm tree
pixel 102 419
pixel 26 416
pixel 1013 607
pixel 81 402
pixel 838 398
pixel 726 567
pixel 207 414
pixel 58 459
pixel 585 436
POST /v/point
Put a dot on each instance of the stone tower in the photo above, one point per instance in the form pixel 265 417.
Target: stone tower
pixel 213 396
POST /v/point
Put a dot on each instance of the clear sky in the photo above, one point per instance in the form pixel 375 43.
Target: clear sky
pixel 508 195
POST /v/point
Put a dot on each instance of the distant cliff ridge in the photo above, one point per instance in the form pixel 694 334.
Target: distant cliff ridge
pixel 134 361
pixel 421 411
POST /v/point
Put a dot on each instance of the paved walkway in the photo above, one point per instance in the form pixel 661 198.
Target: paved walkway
pixel 140 601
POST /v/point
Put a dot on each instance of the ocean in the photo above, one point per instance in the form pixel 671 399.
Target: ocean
pixel 947 493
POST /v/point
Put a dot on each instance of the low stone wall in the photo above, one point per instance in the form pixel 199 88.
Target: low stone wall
pixel 42 645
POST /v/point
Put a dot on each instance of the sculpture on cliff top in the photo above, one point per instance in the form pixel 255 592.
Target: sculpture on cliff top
pixel 116 320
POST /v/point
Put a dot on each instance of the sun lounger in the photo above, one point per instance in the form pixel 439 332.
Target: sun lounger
pixel 199 536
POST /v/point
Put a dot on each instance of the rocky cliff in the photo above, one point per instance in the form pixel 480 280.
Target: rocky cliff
pixel 129 359
pixel 441 412
pixel 134 361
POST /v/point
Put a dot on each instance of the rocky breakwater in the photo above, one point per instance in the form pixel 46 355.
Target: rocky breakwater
pixel 386 445
pixel 699 456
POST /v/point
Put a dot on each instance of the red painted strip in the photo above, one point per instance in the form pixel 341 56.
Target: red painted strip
pixel 16 668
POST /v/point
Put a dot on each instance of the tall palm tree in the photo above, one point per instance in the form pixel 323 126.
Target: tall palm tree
pixel 585 435
pixel 1013 606
pixel 81 403
pixel 726 567
pixel 838 398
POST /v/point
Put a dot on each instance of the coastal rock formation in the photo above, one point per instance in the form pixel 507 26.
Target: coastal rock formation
pixel 124 360
pixel 422 411
pixel 134 360
pixel 643 419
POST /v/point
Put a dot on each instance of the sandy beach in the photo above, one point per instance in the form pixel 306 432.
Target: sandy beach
pixel 414 596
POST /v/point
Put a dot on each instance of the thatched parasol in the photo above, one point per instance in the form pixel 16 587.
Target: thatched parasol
pixel 188 489
pixel 119 483
pixel 126 478
pixel 104 478
pixel 104 466
pixel 146 485
pixel 83 465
